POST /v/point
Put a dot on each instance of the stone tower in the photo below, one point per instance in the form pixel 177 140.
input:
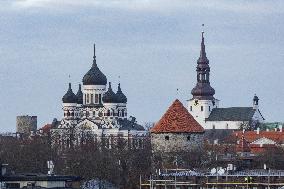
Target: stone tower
pixel 26 124
pixel 203 101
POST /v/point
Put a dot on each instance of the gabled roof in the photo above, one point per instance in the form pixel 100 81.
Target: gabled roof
pixel 231 114
pixel 177 120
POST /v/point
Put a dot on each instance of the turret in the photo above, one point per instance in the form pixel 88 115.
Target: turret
pixel 255 102
pixel 122 100
pixel 69 103
pixel 110 102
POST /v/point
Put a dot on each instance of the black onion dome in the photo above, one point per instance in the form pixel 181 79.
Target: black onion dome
pixel 121 98
pixel 109 96
pixel 79 95
pixel 94 76
pixel 203 91
pixel 69 97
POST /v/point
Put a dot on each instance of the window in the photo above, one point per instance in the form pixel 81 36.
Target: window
pixel 188 137
pixel 213 127
pixel 87 98
pixel 92 98
pixel 167 138
pixel 201 108
pixel 108 112
pixel 227 126
pixel 122 113
pixel 191 108
pixel 209 108
pixel 100 98
pixel 96 98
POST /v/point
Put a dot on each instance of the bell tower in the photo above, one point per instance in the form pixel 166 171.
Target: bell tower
pixel 203 101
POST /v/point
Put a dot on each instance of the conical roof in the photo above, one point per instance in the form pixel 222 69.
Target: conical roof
pixel 79 95
pixel 69 97
pixel 94 76
pixel 109 96
pixel 121 98
pixel 177 120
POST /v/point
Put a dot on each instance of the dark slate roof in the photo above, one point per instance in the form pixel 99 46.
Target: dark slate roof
pixel 110 96
pixel 231 114
pixel 121 98
pixel 69 97
pixel 126 124
pixel 79 95
pixel 94 76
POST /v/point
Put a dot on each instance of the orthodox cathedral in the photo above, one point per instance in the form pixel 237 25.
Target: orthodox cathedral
pixel 204 107
pixel 96 109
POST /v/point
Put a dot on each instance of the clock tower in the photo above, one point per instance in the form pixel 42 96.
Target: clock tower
pixel 203 101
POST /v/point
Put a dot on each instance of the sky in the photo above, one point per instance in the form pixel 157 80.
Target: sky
pixel 150 46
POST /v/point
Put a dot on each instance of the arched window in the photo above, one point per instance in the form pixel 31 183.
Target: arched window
pixel 68 113
pixel 201 108
pixel 118 113
pixel 122 113
pixel 72 114
pixel 108 112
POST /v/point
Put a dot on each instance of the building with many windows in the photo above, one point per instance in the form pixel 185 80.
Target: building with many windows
pixel 96 109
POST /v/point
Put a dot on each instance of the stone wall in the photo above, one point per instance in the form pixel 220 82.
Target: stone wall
pixel 26 124
pixel 176 142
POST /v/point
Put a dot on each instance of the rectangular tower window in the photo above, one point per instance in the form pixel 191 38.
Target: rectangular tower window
pixel 201 108
pixel 92 98
pixel 100 98
pixel 96 98
pixel 87 98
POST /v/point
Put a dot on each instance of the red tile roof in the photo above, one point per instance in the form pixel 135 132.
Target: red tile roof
pixel 177 120
pixel 46 128
pixel 252 136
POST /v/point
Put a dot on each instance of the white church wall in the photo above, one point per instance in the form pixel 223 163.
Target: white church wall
pixel 223 125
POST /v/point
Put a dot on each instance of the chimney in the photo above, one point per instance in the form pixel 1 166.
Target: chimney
pixel 257 130
pixel 280 128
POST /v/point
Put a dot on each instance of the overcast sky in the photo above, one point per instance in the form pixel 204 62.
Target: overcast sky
pixel 153 45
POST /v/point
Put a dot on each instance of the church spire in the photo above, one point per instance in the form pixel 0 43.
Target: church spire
pixel 94 60
pixel 203 90
pixel 202 57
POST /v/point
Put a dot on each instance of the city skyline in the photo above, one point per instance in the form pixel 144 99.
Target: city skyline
pixel 150 48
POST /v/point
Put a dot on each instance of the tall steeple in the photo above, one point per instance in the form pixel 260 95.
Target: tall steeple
pixel 203 90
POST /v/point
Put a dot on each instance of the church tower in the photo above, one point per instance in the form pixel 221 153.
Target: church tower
pixel 94 85
pixel 203 101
